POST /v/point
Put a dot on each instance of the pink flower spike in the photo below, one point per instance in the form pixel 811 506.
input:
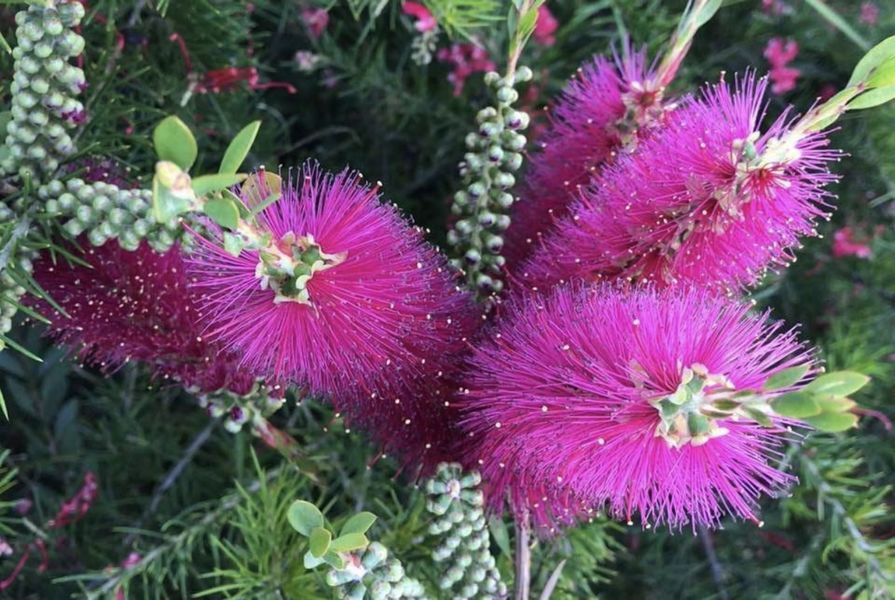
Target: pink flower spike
pixel 425 20
pixel 367 301
pixel 708 200
pixel 545 27
pixel 594 399
pixel 606 108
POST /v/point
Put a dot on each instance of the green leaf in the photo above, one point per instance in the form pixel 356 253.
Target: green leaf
pixel 5 45
pixel 264 204
pixel 500 535
pixel 707 12
pixel 873 98
pixel 175 142
pixel 165 204
pixel 359 523
pixel 883 75
pixel 206 184
pixel 726 405
pixel 874 58
pixel 310 561
pixel 349 542
pixel 758 416
pixel 334 560
pixel 239 148
pixel 698 424
pixel 3 406
pixel 796 405
pixel 319 541
pixel 786 378
pixel 304 517
pixel 222 211
pixel 838 22
pixel 839 383
pixel 833 422
pixel 835 404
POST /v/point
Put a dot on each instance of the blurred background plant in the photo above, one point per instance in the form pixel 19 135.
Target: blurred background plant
pixel 120 487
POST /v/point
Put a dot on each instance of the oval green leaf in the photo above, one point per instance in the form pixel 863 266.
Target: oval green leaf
pixel 222 211
pixel 873 98
pixel 833 422
pixel 239 148
pixel 334 560
pixel 834 404
pixel 174 141
pixel 786 378
pixel 797 405
pixel 349 542
pixel 319 541
pixel 359 523
pixel 838 383
pixel 874 57
pixel 304 517
pixel 206 184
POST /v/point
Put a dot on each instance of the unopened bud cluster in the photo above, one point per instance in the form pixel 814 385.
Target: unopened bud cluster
pixel 471 571
pixel 44 90
pixel 10 290
pixel 239 409
pixel 372 574
pixel 482 207
pixel 103 211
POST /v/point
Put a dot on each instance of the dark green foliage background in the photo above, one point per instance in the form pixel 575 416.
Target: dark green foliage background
pixel 369 106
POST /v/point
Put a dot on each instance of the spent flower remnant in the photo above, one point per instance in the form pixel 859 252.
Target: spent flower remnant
pixel 648 402
pixel 709 200
pixel 344 294
pixel 123 305
pixel 606 108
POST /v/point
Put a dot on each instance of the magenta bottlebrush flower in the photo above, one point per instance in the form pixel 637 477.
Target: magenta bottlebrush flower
pixel 134 306
pixel 708 200
pixel 592 398
pixel 603 110
pixel 370 302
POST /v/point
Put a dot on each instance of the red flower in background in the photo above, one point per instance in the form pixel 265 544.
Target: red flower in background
pixel 316 20
pixel 545 27
pixel 779 54
pixel 466 59
pixel 425 20
pixel 869 13
pixel 845 244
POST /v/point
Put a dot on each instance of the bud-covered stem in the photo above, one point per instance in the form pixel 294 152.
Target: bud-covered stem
pixel 495 152
pixel 44 90
pixel 470 569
